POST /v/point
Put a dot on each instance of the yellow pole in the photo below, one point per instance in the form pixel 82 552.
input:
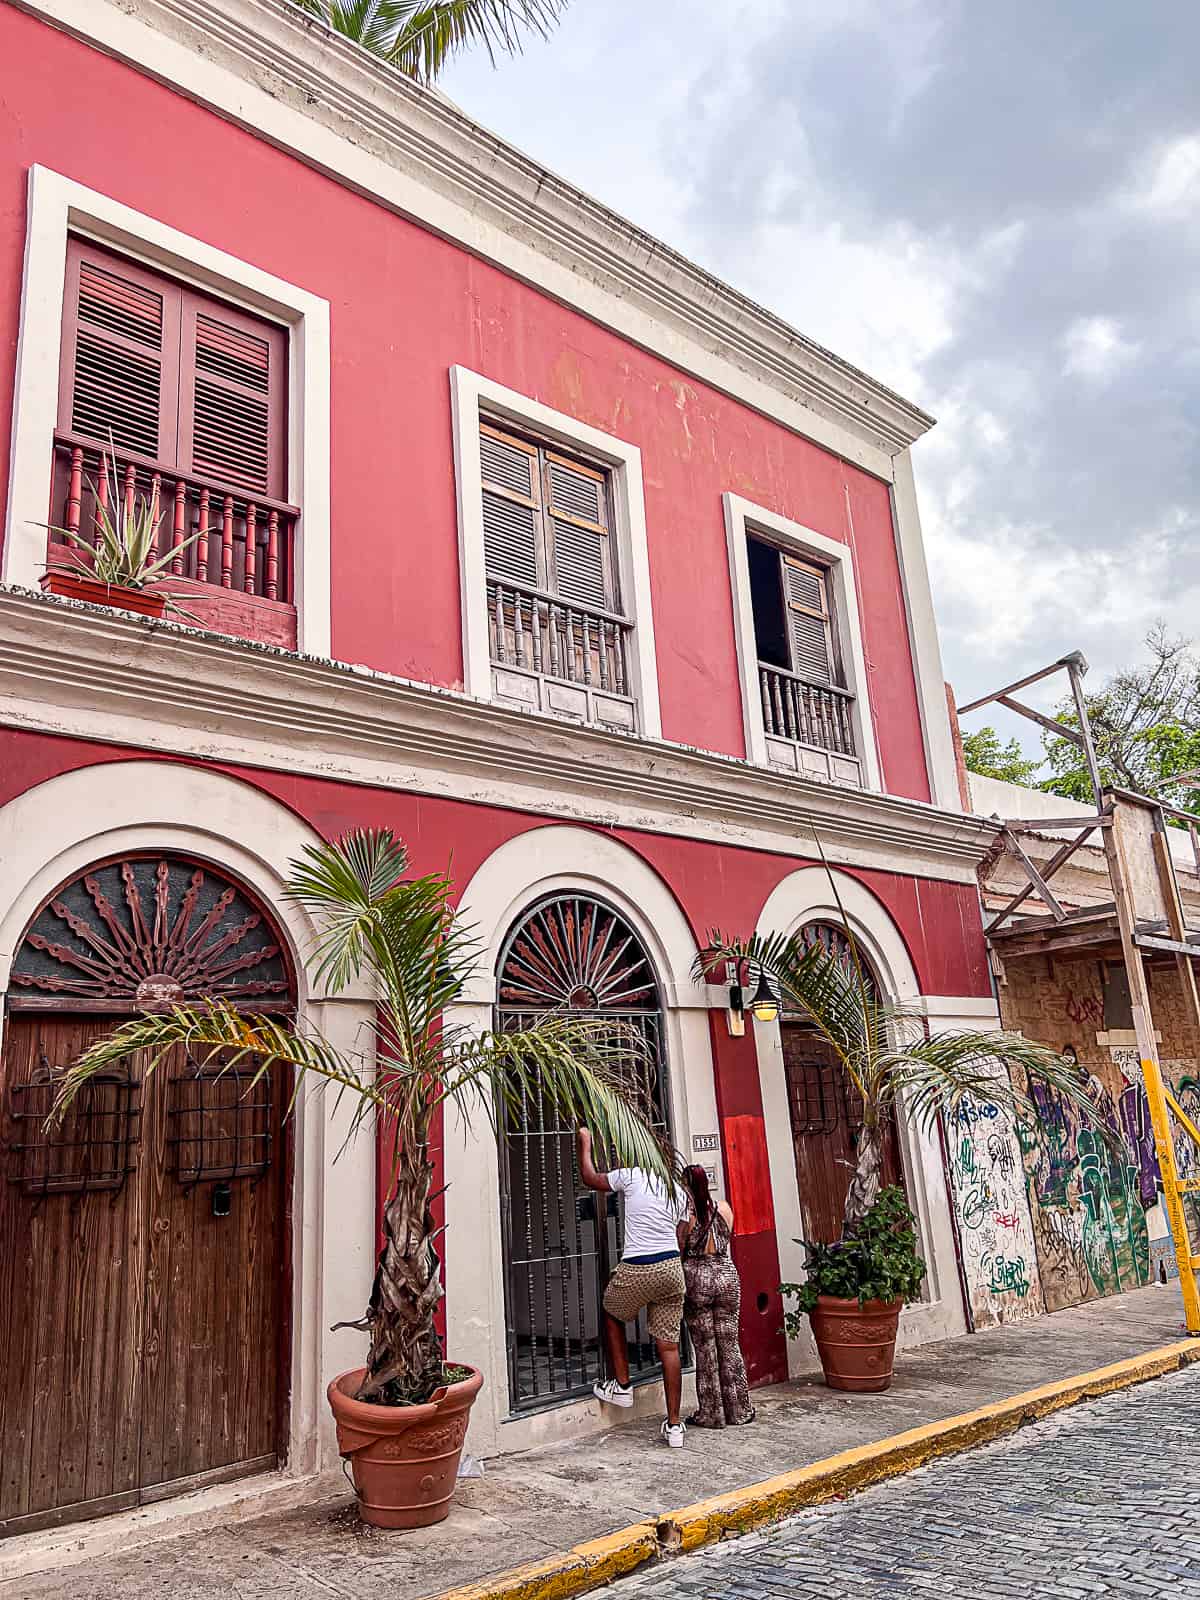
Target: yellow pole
pixel 1164 1149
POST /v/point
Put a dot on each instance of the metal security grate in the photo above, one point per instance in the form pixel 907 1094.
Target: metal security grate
pixel 94 1147
pixel 219 1123
pixel 561 1241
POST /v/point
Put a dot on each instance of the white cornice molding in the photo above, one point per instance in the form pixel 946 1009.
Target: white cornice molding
pixel 83 672
pixel 271 68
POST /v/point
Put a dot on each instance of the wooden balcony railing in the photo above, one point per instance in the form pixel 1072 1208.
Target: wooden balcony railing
pixel 809 713
pixel 539 633
pixel 244 544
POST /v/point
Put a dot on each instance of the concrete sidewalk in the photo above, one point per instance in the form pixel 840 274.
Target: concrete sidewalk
pixel 535 1504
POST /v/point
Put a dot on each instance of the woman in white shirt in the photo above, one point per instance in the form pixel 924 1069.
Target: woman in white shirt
pixel 649 1276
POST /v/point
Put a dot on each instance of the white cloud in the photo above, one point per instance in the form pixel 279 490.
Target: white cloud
pixel 1174 187
pixel 1094 347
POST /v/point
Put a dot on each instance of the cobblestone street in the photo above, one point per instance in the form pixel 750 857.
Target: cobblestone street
pixel 1103 1499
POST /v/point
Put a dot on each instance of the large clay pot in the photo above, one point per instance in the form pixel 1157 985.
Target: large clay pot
pixel 856 1343
pixel 77 585
pixel 404 1458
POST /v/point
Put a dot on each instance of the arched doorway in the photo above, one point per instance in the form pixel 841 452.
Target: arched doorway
pixel 570 952
pixel 144 1263
pixel 826 1109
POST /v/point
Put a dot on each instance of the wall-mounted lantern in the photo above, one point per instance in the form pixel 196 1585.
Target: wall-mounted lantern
pixel 764 1007
pixel 765 1004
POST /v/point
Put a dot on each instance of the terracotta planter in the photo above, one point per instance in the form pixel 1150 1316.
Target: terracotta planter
pixel 77 586
pixel 404 1458
pixel 856 1343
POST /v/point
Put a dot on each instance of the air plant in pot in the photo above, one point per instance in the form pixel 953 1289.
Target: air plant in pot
pixel 857 1284
pixel 121 561
pixel 402 1417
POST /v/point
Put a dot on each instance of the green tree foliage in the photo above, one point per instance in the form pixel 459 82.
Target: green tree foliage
pixel 1145 725
pixel 419 37
pixel 986 755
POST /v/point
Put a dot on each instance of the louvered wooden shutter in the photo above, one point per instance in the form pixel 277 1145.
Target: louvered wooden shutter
pixel 578 522
pixel 176 377
pixel 232 393
pixel 806 599
pixel 120 357
pixel 511 508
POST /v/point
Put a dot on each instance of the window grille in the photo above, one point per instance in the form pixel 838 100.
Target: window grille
pixel 219 1122
pixel 95 1145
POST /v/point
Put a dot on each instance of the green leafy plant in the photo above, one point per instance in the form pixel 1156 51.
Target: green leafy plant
pixel 418 37
pixel 124 551
pixel 404 938
pixel 875 1259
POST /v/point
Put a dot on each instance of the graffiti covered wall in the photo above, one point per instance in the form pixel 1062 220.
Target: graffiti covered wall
pixel 992 1216
pixel 1095 1204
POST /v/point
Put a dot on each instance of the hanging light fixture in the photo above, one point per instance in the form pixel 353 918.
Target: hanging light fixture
pixel 765 1004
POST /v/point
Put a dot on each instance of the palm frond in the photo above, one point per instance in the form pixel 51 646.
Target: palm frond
pixel 341 885
pixel 583 1072
pixel 419 36
pixel 215 1032
pixel 812 982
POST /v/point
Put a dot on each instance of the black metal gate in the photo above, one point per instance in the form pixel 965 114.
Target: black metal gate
pixel 561 1241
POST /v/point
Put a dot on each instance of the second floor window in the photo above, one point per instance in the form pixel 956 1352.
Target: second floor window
pixel 558 632
pixel 800 676
pixel 186 397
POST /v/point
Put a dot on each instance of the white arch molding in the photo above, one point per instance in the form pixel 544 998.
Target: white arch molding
pixel 804 897
pixel 59 828
pixel 517 875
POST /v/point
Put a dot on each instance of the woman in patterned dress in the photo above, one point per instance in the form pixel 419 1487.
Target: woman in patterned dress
pixel 714 1294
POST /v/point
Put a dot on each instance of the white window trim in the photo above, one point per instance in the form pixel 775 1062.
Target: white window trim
pixel 471 394
pixel 58 205
pixel 743 518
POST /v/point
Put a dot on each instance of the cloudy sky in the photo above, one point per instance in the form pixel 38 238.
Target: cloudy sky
pixel 993 208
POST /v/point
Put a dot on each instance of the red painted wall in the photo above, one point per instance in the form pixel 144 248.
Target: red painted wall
pixel 406 306
pixel 715 885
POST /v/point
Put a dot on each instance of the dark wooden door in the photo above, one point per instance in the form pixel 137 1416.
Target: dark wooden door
pixel 826 1116
pixel 144 1278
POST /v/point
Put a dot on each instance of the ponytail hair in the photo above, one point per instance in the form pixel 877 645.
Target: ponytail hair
pixel 696 1182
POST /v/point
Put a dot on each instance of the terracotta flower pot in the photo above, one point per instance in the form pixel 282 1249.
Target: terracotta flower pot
pixel 856 1343
pixel 77 586
pixel 404 1458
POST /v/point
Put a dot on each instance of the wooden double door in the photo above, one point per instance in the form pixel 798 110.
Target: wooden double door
pixel 144 1279
pixel 827 1116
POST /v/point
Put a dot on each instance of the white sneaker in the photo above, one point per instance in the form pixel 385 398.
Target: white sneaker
pixel 673 1433
pixel 612 1393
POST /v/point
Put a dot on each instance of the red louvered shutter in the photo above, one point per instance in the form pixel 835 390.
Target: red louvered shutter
pixel 232 398
pixel 119 374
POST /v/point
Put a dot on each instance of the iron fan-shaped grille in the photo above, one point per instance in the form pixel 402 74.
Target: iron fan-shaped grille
pixel 574 953
pixel 149 931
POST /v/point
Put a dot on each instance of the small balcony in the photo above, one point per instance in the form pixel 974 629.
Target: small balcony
pixel 809 727
pixel 566 659
pixel 235 575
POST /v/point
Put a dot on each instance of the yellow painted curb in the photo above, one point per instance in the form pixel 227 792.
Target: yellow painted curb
pixel 589 1565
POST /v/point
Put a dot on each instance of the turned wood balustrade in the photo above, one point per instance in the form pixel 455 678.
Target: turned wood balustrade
pixel 243 543
pixel 817 714
pixel 542 634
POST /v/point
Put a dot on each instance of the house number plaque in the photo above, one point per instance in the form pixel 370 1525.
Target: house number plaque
pixel 705 1141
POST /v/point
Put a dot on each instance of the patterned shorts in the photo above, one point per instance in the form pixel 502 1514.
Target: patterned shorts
pixel 658 1287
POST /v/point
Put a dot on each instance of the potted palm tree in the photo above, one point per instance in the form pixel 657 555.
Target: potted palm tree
pixel 857 1284
pixel 402 1417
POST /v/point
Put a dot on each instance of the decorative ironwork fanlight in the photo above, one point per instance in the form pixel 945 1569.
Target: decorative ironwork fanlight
pixel 575 953
pixel 148 932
